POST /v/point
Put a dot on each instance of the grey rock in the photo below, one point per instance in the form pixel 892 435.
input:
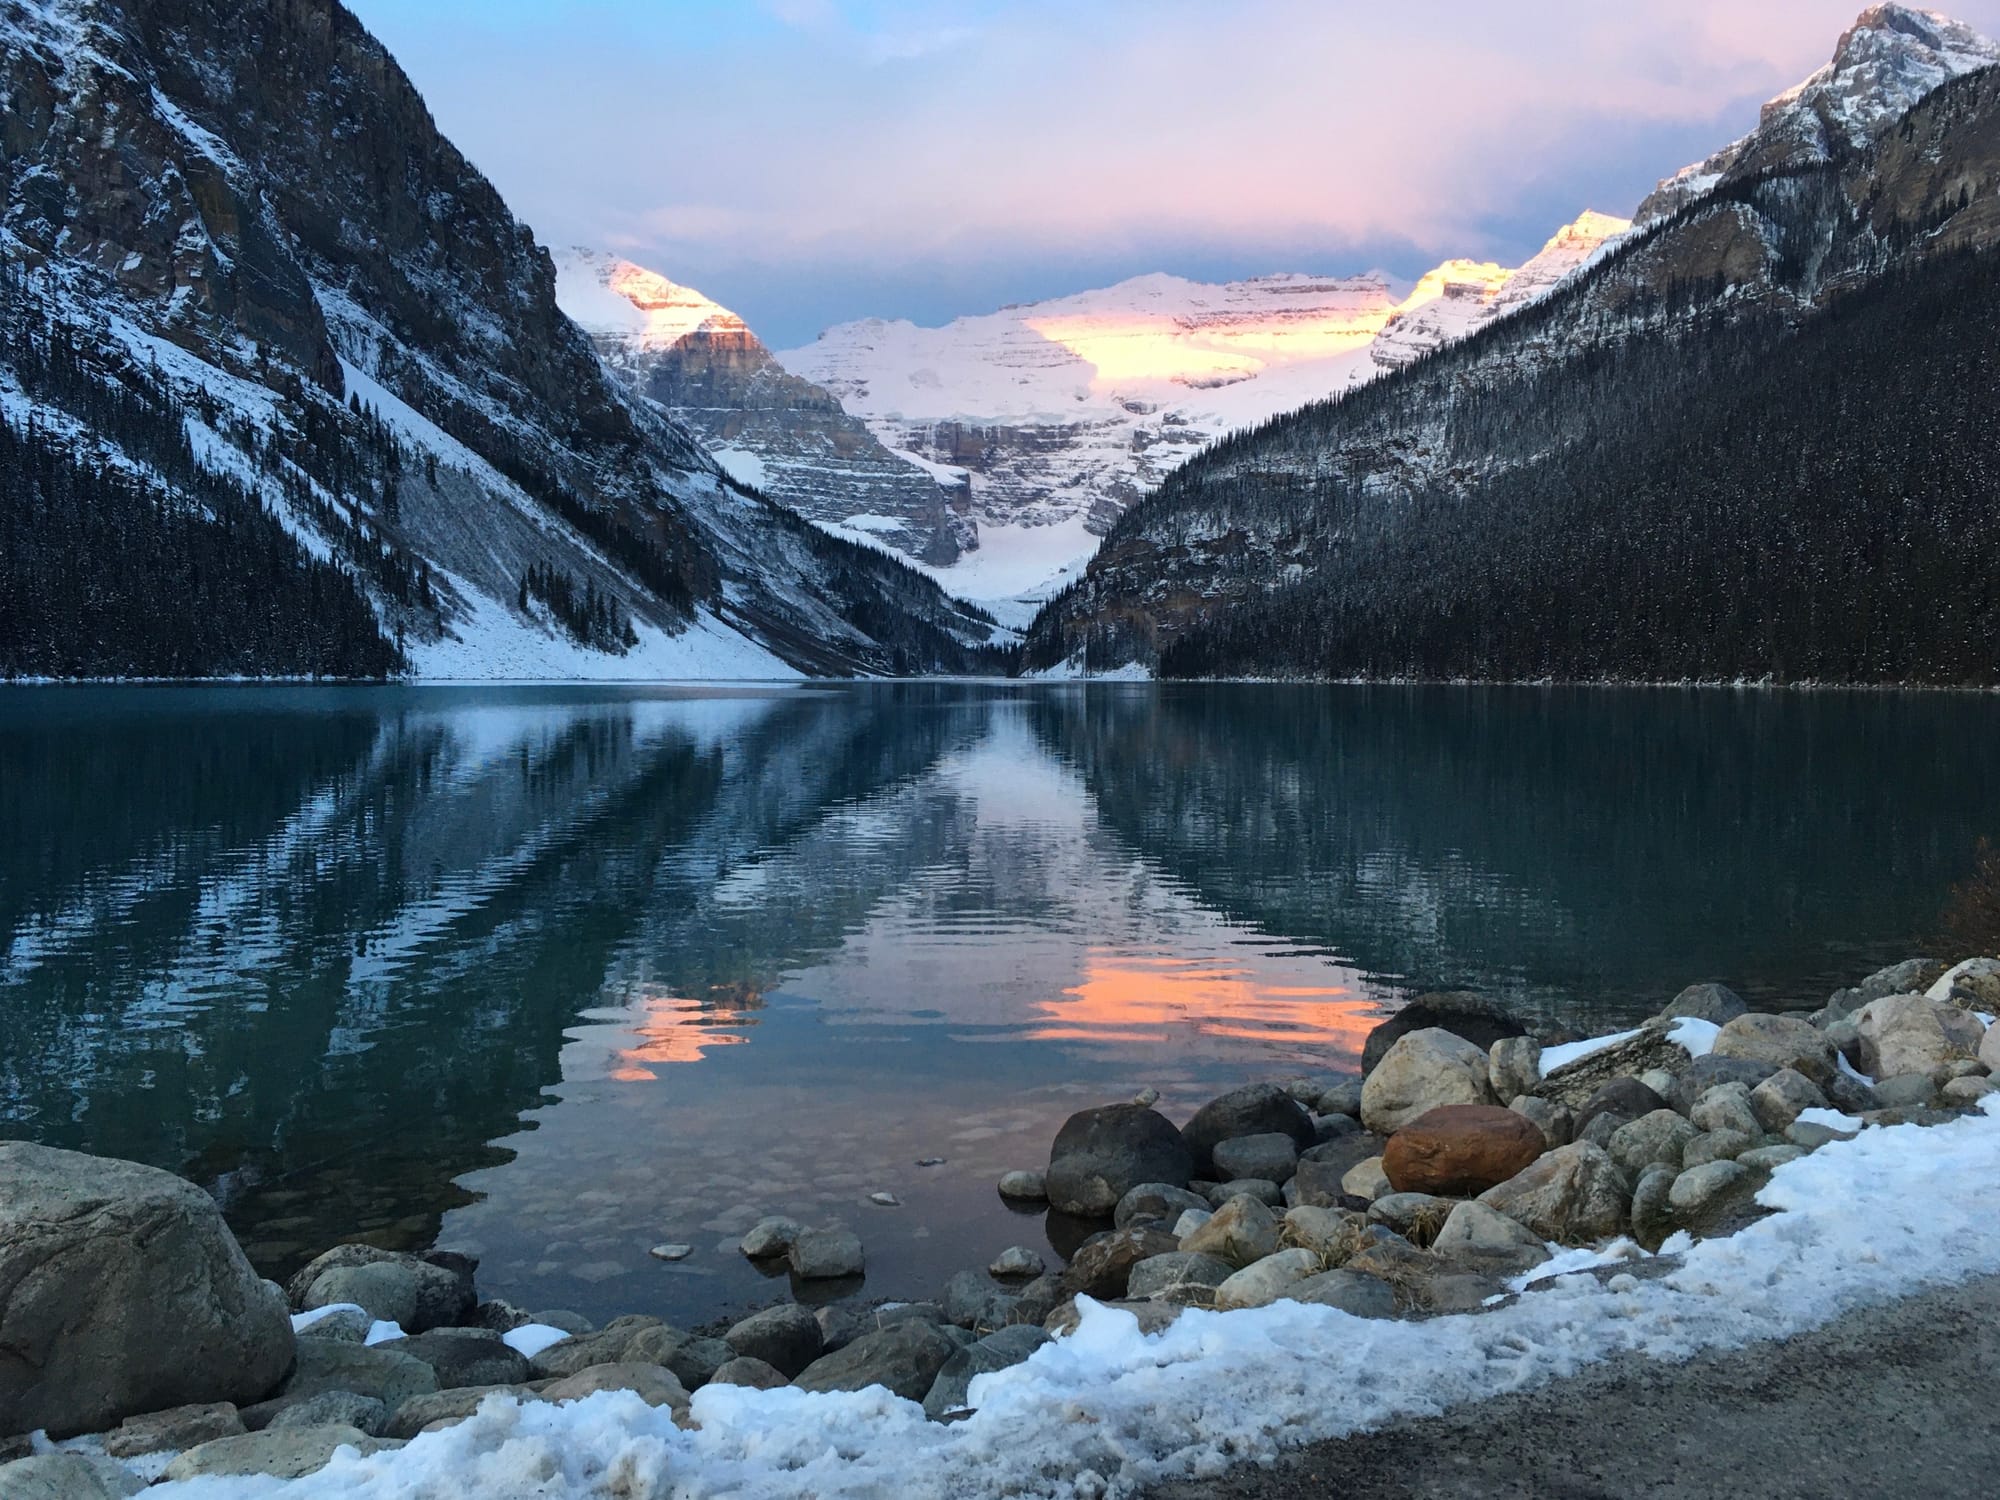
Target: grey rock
pixel 561 1317
pixel 1342 1099
pixel 650 1383
pixel 1155 1200
pixel 123 1293
pixel 350 1325
pixel 67 1476
pixel 171 1431
pixel 463 1357
pixel 771 1237
pixel 420 1413
pixel 1897 979
pixel 1415 1216
pixel 1965 1092
pixel 1694 1190
pixel 1906 1091
pixel 1330 1233
pixel 1780 1099
pixel 1017 1263
pixel 751 1373
pixel 1470 1017
pixel 1179 1271
pixel 1910 1034
pixel 1652 1206
pixel 1652 1049
pixel 1706 1002
pixel 1039 1298
pixel 1261 1188
pixel 1709 1072
pixel 1266 1281
pixel 1717 1145
pixel 1558 1124
pixel 289 1453
pixel 331 1365
pixel 1259 1109
pixel 1661 1083
pixel 1661 1136
pixel 1366 1179
pixel 1963 1067
pixel 1726 1107
pixel 827 1255
pixel 338 1409
pixel 889 1314
pixel 1813 1136
pixel 1851 1095
pixel 1024 1186
pixel 1625 1097
pixel 1242 1232
pixel 1328 1128
pixel 1575 1194
pixel 786 1337
pixel 603 1346
pixel 1973 985
pixel 1770 1158
pixel 1271 1157
pixel 1151 1317
pixel 1482 1238
pixel 1191 1220
pixel 1101 1154
pixel 1355 1294
pixel 949 1392
pixel 971 1300
pixel 500 1317
pixel 840 1325
pixel 694 1361
pixel 1602 1127
pixel 905 1360
pixel 1783 1041
pixel 1421 1071
pixel 1102 1266
pixel 407 1290
pixel 1513 1066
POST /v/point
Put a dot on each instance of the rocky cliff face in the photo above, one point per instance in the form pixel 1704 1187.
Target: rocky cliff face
pixel 701 364
pixel 243 214
pixel 1059 415
pixel 1770 245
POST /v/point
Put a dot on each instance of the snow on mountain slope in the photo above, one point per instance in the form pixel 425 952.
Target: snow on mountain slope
pixel 1060 414
pixel 1887 61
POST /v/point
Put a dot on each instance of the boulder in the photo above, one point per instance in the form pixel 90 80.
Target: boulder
pixel 1038 1299
pixel 1189 1221
pixel 1652 1210
pixel 1156 1200
pixel 1259 1109
pixel 172 1431
pixel 68 1476
pixel 1271 1157
pixel 603 1346
pixel 408 1290
pixel 1962 1093
pixel 786 1337
pixel 1330 1233
pixel 1706 1002
pixel 1267 1280
pixel 951 1390
pixel 1242 1232
pixel 1353 1293
pixel 122 1292
pixel 1024 1186
pixel 1972 985
pixel 1989 1050
pixel 1661 1136
pixel 1769 1158
pixel 1420 1072
pixel 1556 1123
pixel 1460 1150
pixel 1152 1317
pixel 1180 1272
pixel 1017 1263
pixel 1909 1034
pixel 1103 1266
pixel 1574 1195
pixel 460 1356
pixel 1717 1145
pixel 1470 1017
pixel 1380 1251
pixel 1812 1135
pixel 1709 1071
pixel 1602 1127
pixel 1573 1083
pixel 1695 1190
pixel 771 1237
pixel 827 1255
pixel 1627 1098
pixel 421 1413
pixel 350 1325
pixel 1726 1107
pixel 1417 1217
pixel 1367 1179
pixel 691 1361
pixel 1101 1154
pixel 287 1453
pixel 1513 1066
pixel 1782 1041
pixel 1782 1098
pixel 1261 1188
pixel 1482 1238
pixel 1342 1100
pixel 652 1384
pixel 1897 979
pixel 971 1300
pixel 904 1359
pixel 332 1365
pixel 337 1409
pixel 753 1374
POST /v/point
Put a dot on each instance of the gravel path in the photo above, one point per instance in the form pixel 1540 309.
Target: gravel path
pixel 1897 1402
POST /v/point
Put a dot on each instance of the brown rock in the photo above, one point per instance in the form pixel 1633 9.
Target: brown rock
pixel 1460 1150
pixel 1104 1265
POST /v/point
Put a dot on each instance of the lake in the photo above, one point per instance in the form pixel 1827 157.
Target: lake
pixel 556 975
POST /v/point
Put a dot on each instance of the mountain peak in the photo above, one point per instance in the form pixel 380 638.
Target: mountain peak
pixel 609 296
pixel 1891 57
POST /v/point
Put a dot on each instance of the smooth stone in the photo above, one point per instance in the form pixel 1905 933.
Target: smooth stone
pixel 1101 1154
pixel 1342 1099
pixel 1770 1158
pixel 971 1300
pixel 331 1365
pixel 1602 1127
pixel 1710 1072
pixel 1652 1206
pixel 1038 1299
pixel 827 1255
pixel 885 1200
pixel 1784 1041
pixel 1331 1233
pixel 602 1346
pixel 904 1359
pixel 1191 1220
pixel 1266 1281
pixel 1024 1186
pixel 1781 1098
pixel 1242 1232
pixel 424 1413
pixel 337 1409
pixel 1716 1145
pixel 1460 1150
pixel 671 1252
pixel 1483 1238
pixel 1573 1195
pixel 1351 1292
pixel 1415 1216
pixel 770 1237
pixel 68 1476
pixel 1329 1128
pixel 693 1361
pixel 1513 1066
pixel 650 1383
pixel 407 1290
pixel 950 1391
pixel 751 1373
pixel 1258 1109
pixel 174 1430
pixel 1706 1002
pixel 1626 1097
pixel 350 1325
pixel 1969 1091
pixel 463 1357
pixel 786 1337
pixel 1910 1034
pixel 287 1453
pixel 1017 1262
pixel 1661 1136
pixel 1726 1107
pixel 1555 1121
pixel 1103 1266
pixel 1470 1017
pixel 1971 985
pixel 1262 1189
pixel 1421 1071
pixel 1366 1180
pixel 1156 1200
pixel 1696 1189
pixel 1272 1157
pixel 1812 1136
pixel 1179 1271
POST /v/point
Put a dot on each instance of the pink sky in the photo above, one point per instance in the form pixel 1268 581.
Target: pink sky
pixel 813 160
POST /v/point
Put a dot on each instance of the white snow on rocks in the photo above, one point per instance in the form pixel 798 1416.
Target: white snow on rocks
pixel 1106 1411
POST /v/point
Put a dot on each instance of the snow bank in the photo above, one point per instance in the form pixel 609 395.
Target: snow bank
pixel 1107 1412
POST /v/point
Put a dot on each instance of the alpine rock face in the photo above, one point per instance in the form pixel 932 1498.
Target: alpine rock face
pixel 784 436
pixel 285 390
pixel 1581 460
pixel 1057 416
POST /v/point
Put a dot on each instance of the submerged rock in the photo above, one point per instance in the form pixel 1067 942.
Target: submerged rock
pixel 827 1255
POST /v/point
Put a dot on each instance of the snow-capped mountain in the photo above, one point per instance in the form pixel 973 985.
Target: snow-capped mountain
pixel 284 389
pixel 784 436
pixel 1058 415
pixel 1884 64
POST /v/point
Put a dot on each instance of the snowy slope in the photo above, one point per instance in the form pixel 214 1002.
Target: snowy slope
pixel 1058 415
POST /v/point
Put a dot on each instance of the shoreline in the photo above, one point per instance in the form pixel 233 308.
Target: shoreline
pixel 1410 1209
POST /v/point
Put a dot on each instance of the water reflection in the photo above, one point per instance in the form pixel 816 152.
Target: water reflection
pixel 559 975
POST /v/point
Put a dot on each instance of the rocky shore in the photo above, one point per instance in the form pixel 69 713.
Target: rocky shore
pixel 1472 1166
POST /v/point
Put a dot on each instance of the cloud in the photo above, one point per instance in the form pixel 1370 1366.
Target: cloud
pixel 798 155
